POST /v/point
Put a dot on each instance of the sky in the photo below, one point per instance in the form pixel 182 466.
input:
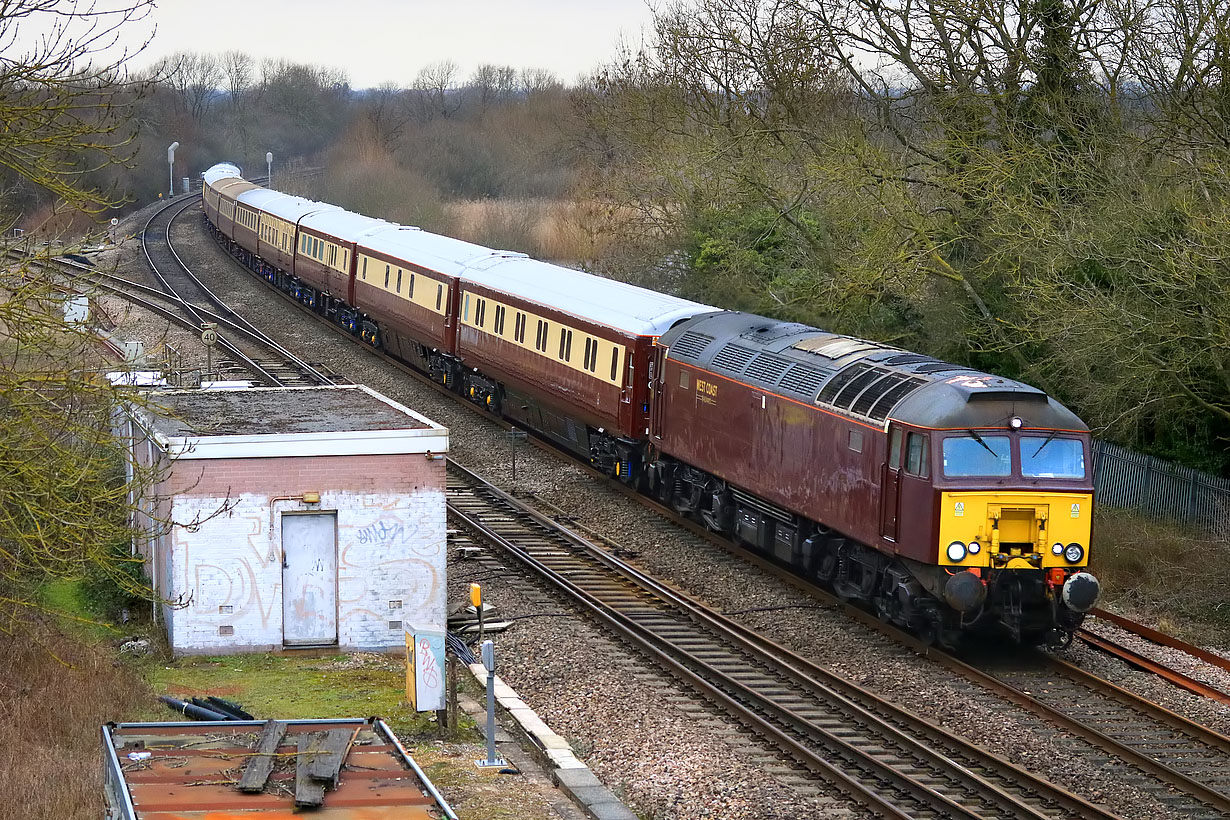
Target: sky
pixel 378 41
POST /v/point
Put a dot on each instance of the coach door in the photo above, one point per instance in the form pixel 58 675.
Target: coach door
pixel 890 496
pixel 309 579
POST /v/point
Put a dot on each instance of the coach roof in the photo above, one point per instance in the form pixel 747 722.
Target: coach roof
pixel 345 225
pixel 429 250
pixel 223 170
pixel 596 298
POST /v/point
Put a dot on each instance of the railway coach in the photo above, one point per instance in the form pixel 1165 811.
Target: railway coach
pixel 948 500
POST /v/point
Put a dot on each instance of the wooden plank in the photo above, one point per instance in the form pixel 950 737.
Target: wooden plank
pixel 326 763
pixel 260 764
pixel 308 791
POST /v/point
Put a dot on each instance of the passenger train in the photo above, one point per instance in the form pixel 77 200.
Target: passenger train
pixel 948 500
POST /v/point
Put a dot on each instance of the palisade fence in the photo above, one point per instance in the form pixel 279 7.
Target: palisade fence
pixel 1158 489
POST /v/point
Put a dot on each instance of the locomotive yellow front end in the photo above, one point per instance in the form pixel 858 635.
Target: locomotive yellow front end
pixel 1015 526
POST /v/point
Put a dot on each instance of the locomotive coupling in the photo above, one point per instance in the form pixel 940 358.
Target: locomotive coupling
pixel 965 591
pixel 1080 592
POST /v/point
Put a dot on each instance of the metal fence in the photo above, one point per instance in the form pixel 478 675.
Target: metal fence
pixel 1158 489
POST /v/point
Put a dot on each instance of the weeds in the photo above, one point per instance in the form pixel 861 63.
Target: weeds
pixel 1155 570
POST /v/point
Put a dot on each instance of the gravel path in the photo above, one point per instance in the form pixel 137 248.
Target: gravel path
pixel 636 733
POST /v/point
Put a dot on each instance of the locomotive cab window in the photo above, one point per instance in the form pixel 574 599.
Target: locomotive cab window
pixel 976 455
pixel 894 449
pixel 917 455
pixel 1051 457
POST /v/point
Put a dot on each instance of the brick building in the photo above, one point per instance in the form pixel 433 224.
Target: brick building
pixel 291 517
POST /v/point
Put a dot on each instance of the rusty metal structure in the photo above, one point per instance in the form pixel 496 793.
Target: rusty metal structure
pixel 192 771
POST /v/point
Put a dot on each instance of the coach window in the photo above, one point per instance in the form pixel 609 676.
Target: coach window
pixel 365 268
pixel 387 268
pixel 399 280
pixel 519 327
pixel 411 294
pixel 480 313
pixel 916 452
pixel 615 364
pixel 565 345
pixel 500 310
pixel 439 295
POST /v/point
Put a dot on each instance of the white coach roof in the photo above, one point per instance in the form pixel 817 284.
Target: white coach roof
pixel 345 225
pixel 289 207
pixel 606 301
pixel 442 254
pixel 223 170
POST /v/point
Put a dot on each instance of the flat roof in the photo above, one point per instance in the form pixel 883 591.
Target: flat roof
pixel 256 422
pixel 173 771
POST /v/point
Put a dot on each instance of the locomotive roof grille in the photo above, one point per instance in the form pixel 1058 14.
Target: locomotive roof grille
pixel 890 398
pixel 768 367
pixel 690 344
pixel 733 357
pixel 804 379
pixel 846 398
pixel 863 404
pixel 829 393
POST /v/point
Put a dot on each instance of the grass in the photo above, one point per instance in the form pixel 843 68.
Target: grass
pixel 1158 571
pixel 296 686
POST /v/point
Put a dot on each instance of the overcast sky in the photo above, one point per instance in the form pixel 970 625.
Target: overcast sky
pixel 378 41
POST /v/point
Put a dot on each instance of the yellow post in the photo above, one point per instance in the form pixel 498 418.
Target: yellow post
pixel 476 598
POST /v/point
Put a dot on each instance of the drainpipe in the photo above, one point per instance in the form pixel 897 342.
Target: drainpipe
pixel 305 498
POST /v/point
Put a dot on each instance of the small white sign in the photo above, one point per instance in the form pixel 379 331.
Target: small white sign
pixel 959 509
pixel 1076 510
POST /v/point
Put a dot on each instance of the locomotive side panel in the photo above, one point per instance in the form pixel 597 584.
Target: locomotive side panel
pixel 822 467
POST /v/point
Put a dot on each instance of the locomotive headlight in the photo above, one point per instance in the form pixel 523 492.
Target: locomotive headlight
pixel 974 547
pixel 956 552
pixel 1056 549
pixel 1074 553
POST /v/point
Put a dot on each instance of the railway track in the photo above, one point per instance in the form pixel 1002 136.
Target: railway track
pixel 1150 664
pixel 880 755
pixel 1130 738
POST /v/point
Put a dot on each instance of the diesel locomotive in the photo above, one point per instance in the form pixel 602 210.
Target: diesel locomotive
pixel 949 500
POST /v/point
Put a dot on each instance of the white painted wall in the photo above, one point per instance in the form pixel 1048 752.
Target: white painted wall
pixel 391 547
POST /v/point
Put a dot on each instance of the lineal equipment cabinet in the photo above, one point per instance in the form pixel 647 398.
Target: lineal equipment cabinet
pixel 290 517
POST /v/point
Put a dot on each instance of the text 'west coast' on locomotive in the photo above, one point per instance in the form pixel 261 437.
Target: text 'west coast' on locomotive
pixel 948 499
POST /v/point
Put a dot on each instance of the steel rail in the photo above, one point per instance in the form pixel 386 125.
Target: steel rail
pixel 1161 638
pixel 234 319
pixel 1140 661
pixel 706 669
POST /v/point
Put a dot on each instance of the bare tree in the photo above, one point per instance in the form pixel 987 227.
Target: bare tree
pixel 435 83
pixel 538 80
pixel 240 70
pixel 492 84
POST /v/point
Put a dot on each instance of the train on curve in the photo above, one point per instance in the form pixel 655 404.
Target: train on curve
pixel 949 500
